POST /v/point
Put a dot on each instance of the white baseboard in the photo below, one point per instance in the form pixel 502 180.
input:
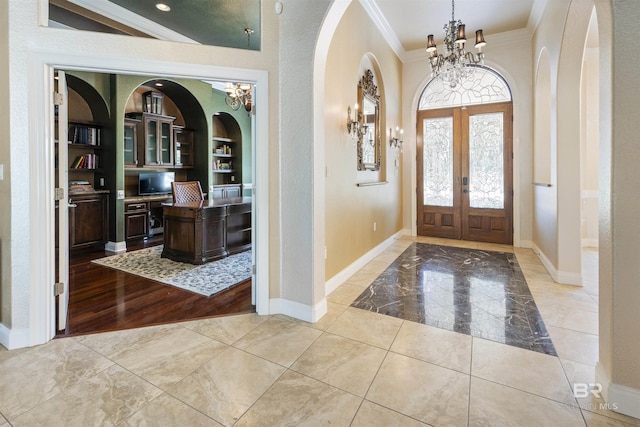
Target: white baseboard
pixel 619 398
pixel 13 338
pixel 337 280
pixel 298 310
pixel 116 247
pixel 564 277
pixel 527 244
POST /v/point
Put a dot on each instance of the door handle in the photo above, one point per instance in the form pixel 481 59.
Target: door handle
pixel 71 204
pixel 465 180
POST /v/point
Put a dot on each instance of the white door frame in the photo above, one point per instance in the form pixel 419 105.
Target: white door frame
pixel 41 155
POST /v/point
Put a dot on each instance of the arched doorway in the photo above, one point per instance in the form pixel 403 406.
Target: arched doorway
pixel 464 159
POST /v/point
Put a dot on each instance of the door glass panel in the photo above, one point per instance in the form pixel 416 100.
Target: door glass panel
pixel 152 142
pixel 165 143
pixel 486 161
pixel 438 161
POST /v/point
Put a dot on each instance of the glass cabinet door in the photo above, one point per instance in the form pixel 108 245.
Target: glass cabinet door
pixel 151 144
pixel 164 129
pixel 130 148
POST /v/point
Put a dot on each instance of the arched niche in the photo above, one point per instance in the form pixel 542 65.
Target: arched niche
pixel 542 138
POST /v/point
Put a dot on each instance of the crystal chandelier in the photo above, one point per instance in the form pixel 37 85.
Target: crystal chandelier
pixel 454 67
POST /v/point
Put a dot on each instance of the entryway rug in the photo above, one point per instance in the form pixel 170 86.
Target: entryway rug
pixel 206 279
pixel 474 292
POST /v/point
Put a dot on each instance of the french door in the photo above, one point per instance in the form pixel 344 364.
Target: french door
pixel 62 203
pixel 465 173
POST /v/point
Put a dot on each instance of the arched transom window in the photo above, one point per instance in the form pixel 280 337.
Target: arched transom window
pixel 483 86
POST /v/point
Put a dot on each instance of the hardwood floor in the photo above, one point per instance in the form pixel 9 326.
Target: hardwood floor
pixel 103 299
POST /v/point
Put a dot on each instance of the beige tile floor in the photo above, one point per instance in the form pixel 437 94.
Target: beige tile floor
pixel 353 368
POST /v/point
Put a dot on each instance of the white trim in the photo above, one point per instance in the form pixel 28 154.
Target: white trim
pixel 590 242
pixel 115 247
pixel 619 398
pixel 13 338
pixel 524 244
pixel 337 280
pixel 590 194
pixel 298 310
pixel 563 277
pixel 42 63
pixel 569 278
pixel 384 27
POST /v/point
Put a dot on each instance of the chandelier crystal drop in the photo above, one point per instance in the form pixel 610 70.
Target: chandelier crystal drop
pixel 457 64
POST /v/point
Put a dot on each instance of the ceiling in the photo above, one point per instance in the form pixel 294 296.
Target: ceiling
pixel 405 23
pixel 412 20
pixel 211 22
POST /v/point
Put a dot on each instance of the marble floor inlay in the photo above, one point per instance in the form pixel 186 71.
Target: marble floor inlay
pixel 475 292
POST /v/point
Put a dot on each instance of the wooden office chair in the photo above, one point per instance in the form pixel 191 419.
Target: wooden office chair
pixel 188 191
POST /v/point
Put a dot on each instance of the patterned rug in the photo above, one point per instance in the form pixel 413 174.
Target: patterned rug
pixel 206 279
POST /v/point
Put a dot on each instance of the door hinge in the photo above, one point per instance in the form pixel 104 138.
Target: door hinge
pixel 58 289
pixel 58 194
pixel 58 98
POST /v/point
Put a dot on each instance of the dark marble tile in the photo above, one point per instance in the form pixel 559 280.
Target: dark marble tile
pixel 475 292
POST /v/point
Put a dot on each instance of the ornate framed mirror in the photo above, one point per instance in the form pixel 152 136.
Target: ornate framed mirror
pixel 369 146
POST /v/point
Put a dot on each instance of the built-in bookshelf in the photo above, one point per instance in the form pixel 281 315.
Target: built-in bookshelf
pixel 226 157
pixel 84 150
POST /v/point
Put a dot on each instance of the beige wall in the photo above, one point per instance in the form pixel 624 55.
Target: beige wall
pixel 548 36
pixel 5 183
pixel 351 210
pixel 619 237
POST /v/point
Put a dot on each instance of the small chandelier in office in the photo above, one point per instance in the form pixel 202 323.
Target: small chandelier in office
pixel 238 95
pixel 455 66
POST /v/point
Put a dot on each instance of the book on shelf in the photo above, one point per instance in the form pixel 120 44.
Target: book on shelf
pixel 79 186
pixel 85 135
pixel 85 161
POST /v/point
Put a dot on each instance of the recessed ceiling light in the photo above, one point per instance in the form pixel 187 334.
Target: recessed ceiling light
pixel 158 84
pixel 163 7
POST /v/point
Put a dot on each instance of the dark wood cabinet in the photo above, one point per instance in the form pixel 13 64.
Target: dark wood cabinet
pixel 131 142
pixel 155 139
pixel 238 228
pixel 136 220
pixel 228 191
pixel 182 147
pixel 88 220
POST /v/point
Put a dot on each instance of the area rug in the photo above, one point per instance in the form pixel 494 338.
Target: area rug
pixel 470 291
pixel 206 279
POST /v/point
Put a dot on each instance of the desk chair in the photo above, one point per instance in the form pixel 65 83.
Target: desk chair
pixel 188 191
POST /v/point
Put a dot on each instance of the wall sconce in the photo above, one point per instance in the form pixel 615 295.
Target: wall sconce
pixel 238 95
pixel 354 126
pixel 396 141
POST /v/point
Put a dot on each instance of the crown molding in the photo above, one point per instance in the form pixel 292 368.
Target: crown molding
pixel 383 26
pixel 535 16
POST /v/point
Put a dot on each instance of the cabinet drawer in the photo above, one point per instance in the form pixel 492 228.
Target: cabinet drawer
pixel 135 207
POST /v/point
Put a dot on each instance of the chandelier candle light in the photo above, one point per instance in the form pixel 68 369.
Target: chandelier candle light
pixel 456 65
pixel 355 126
pixel 395 141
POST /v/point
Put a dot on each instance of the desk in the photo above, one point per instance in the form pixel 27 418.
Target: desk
pixel 205 231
